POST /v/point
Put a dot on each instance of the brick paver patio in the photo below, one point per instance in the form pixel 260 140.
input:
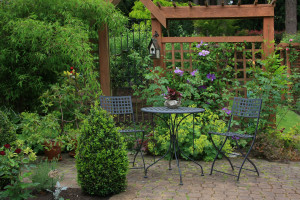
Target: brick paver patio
pixel 276 181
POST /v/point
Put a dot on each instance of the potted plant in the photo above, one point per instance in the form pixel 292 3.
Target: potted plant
pixel 52 141
pixel 173 98
pixel 71 145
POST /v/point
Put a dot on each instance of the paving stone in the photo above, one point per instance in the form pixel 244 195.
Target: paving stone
pixel 276 181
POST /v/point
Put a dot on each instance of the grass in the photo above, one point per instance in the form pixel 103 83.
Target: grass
pixel 287 118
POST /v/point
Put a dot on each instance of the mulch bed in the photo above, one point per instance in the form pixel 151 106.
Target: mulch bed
pixel 70 193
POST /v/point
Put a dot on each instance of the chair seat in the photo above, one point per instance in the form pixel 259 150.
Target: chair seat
pixel 130 131
pixel 231 134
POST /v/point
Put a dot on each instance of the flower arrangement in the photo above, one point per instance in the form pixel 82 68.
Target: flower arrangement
pixel 173 94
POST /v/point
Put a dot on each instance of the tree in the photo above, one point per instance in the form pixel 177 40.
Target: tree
pixel 291 16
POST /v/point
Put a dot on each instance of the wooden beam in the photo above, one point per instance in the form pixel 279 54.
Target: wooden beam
pixel 104 60
pixel 217 12
pixel 212 39
pixel 239 2
pixel 155 11
pixel 268 34
pixel 190 4
pixel 255 2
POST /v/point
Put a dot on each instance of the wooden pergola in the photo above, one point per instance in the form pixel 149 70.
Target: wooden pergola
pixel 160 16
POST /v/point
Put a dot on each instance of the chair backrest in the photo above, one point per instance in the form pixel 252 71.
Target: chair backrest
pixel 116 105
pixel 246 107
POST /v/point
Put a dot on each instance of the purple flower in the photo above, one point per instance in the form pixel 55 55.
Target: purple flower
pixel 193 73
pixel 199 45
pixel 227 111
pixel 203 87
pixel 235 137
pixel 178 71
pixel 203 53
pixel 188 81
pixel 210 76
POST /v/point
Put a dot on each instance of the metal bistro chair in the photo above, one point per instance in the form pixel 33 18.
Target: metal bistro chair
pixel 246 108
pixel 122 105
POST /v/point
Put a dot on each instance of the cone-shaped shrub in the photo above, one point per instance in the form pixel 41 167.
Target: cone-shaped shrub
pixel 101 157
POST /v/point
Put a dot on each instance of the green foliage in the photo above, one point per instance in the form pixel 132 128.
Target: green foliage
pixel 279 145
pixel 203 148
pixel 14 157
pixel 37 44
pixel 101 158
pixel 204 87
pixel 41 175
pixel 218 27
pixel 7 129
pixel 38 129
pixel 270 84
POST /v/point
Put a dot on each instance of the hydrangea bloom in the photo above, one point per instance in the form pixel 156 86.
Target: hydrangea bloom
pixel 203 53
pixel 178 71
pixel 212 77
pixel 193 73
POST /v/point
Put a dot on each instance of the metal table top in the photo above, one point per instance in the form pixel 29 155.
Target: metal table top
pixel 167 110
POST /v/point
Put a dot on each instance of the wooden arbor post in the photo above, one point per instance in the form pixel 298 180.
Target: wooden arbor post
pixel 104 68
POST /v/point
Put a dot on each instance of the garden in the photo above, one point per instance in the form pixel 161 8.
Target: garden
pixel 57 140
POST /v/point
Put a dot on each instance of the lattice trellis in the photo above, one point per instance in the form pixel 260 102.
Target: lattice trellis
pixel 175 54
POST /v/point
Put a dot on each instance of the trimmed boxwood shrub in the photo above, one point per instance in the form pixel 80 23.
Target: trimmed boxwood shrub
pixel 7 130
pixel 101 157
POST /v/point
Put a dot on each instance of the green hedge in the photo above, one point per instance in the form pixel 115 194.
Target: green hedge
pixel 101 157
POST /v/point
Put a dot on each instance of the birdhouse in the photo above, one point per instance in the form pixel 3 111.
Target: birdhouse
pixel 154 49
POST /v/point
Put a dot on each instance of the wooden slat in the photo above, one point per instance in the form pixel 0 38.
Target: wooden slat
pixel 173 56
pixel 212 39
pixel 181 53
pixel 217 12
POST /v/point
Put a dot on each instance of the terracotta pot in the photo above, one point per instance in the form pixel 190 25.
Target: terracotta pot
pixel 52 150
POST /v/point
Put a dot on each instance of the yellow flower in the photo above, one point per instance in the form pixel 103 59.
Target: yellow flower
pixel 32 156
pixel 27 150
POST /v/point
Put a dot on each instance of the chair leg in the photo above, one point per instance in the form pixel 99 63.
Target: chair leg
pixel 246 158
pixel 139 150
pixel 219 151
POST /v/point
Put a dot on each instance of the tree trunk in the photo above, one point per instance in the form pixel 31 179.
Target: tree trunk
pixel 291 16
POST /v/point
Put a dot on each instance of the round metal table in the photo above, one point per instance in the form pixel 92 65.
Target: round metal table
pixel 173 125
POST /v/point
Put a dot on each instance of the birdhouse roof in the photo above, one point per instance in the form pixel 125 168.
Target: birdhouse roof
pixel 155 43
